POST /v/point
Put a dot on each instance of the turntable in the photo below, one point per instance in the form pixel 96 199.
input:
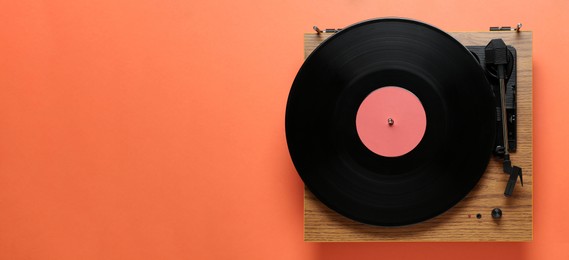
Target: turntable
pixel 403 132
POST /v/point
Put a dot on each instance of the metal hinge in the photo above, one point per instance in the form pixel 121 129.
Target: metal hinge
pixel 318 31
pixel 506 28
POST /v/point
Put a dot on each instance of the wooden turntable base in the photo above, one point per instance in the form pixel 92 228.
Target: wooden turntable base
pixel 460 223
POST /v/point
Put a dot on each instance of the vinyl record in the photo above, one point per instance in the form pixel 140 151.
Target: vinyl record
pixel 390 122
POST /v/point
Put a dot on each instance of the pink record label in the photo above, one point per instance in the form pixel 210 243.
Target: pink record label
pixel 391 121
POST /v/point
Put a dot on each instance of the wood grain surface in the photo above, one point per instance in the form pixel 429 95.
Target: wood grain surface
pixel 460 222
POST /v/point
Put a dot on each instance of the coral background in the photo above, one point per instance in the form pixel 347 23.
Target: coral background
pixel 155 129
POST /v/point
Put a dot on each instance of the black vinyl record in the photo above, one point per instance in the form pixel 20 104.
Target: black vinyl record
pixel 443 167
